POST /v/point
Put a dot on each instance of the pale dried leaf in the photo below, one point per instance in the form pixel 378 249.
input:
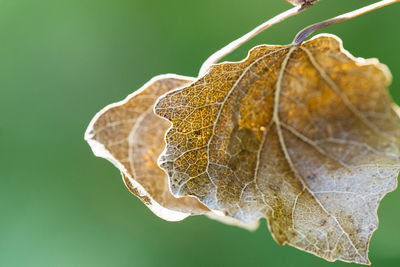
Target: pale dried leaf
pixel 302 135
pixel 396 109
pixel 131 136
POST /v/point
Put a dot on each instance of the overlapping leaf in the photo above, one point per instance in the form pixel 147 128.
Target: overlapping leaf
pixel 305 136
pixel 131 136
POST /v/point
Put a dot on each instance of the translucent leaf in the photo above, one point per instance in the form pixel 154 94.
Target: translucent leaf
pixel 305 136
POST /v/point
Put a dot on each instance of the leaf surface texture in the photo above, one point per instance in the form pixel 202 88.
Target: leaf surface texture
pixel 305 136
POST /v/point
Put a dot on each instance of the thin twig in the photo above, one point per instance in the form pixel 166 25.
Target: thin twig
pixel 217 56
pixel 303 34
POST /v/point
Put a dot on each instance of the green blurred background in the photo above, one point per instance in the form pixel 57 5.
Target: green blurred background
pixel 63 60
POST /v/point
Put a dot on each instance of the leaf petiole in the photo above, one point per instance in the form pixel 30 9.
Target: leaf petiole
pixel 306 32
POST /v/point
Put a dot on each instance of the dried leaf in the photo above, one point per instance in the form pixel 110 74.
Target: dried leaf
pixel 302 135
pixel 131 136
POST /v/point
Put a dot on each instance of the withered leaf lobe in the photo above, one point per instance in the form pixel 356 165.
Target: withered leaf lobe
pixel 305 136
pixel 130 135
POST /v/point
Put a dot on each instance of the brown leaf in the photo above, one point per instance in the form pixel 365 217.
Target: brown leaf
pixel 131 136
pixel 302 135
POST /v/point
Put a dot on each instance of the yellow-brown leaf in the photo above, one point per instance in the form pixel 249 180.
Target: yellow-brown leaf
pixel 305 136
